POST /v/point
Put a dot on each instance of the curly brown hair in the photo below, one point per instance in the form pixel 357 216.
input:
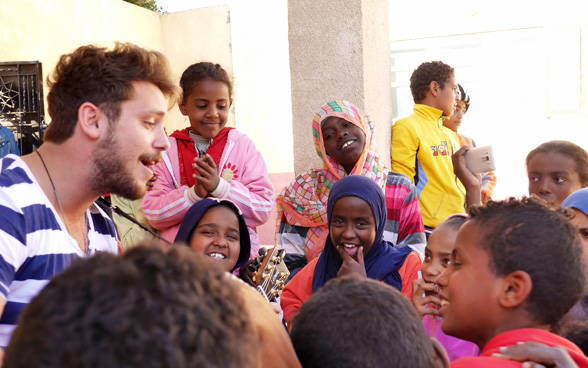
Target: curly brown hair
pixel 150 307
pixel 103 77
pixel 426 73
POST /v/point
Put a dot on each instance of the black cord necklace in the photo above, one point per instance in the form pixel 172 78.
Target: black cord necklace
pixel 84 233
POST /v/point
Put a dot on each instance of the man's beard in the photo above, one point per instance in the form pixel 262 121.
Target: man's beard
pixel 110 174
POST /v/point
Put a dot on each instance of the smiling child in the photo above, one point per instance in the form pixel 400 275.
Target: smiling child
pixel 345 139
pixel 356 217
pixel 516 269
pixel 425 297
pixel 216 228
pixel 208 159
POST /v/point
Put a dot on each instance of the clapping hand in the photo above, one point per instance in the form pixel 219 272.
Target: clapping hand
pixel 206 176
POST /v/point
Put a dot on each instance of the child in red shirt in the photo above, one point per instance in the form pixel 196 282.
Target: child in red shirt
pixel 506 282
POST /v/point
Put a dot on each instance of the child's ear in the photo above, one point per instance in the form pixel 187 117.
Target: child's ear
pixel 434 88
pixel 441 357
pixel 516 289
pixel 182 107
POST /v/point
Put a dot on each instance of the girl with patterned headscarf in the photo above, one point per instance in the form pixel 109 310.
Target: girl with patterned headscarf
pixel 341 131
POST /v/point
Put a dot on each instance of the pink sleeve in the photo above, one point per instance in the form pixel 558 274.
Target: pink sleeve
pixel 165 205
pixel 297 291
pixel 252 191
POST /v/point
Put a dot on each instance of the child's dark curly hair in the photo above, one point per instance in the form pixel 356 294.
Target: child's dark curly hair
pixel 426 73
pixel 150 307
pixel 525 234
pixel 377 326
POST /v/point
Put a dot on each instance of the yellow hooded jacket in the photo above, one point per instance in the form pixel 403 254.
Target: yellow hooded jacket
pixel 421 149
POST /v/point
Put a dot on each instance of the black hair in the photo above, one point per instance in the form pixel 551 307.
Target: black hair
pixel 421 78
pixel 359 322
pixel 577 332
pixel 463 96
pixel 568 149
pixel 525 234
pixel 454 222
pixel 149 307
pixel 204 71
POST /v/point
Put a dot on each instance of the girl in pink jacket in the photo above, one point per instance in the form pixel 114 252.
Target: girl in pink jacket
pixel 208 159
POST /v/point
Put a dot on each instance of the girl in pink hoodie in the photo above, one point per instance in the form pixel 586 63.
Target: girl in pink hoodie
pixel 208 159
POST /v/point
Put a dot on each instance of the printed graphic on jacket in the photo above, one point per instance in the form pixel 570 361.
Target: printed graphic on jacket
pixel 229 172
pixel 440 150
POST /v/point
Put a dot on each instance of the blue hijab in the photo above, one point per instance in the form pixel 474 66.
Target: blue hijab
pixel 383 260
pixel 198 210
pixel 577 200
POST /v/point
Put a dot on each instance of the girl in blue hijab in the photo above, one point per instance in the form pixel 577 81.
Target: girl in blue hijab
pixel 356 213
pixel 216 228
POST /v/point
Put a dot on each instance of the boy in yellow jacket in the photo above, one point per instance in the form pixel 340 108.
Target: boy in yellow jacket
pixel 422 146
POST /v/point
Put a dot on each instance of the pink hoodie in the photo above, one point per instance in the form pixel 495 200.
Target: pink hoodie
pixel 244 181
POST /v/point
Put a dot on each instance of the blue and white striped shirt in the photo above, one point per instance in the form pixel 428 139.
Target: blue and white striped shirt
pixel 34 245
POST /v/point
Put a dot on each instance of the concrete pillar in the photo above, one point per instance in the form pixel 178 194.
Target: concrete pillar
pixel 339 49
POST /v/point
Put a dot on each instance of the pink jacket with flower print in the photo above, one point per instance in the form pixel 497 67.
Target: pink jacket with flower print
pixel 241 166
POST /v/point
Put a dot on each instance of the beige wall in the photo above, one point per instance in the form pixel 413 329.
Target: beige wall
pixel 183 47
pixel 257 43
pixel 251 45
pixel 376 73
pixel 44 30
pixel 345 55
pixel 249 39
pixel 263 108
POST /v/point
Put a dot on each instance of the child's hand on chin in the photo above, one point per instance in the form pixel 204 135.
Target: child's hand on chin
pixel 423 294
pixel 350 266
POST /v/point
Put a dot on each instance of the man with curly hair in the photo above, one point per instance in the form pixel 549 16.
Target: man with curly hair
pixel 422 146
pixel 107 108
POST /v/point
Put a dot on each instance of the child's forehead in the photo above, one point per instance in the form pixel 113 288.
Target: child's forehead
pixel 442 239
pixel 469 236
pixel 343 203
pixel 332 119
